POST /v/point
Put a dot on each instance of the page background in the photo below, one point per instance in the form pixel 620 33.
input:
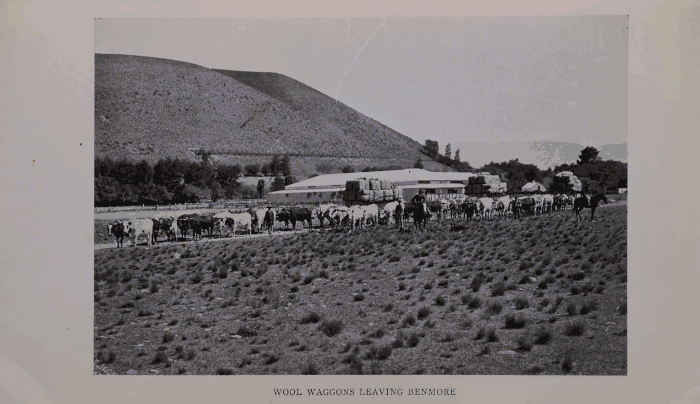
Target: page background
pixel 46 254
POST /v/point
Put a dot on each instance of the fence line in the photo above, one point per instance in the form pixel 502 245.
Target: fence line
pixel 230 205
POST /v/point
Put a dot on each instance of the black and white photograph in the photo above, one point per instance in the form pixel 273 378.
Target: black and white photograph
pixel 373 196
pixel 357 202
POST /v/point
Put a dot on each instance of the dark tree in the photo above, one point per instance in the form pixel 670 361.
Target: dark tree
pixel 531 173
pixel 276 165
pixel 348 169
pixel 419 164
pixel 288 180
pixel 261 187
pixel 588 155
pixel 124 172
pixel 448 151
pixel 252 170
pixel 432 148
pixel 169 173
pixel 277 184
pixel 228 175
pixel 143 173
pixel 456 159
pixel 287 166
pixel 265 170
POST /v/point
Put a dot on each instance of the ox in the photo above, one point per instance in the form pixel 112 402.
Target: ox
pixel 322 212
pixel 356 214
pixel 140 227
pixel 485 207
pixel 117 229
pixel 435 207
pixel 371 212
pixel 301 215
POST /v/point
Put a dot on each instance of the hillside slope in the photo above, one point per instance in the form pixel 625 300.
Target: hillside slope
pixel 149 108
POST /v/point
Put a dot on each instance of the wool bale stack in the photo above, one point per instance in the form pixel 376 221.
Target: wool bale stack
pixel 485 183
pixel 363 190
pixel 566 181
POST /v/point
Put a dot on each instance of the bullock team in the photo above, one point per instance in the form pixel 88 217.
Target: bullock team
pixel 225 224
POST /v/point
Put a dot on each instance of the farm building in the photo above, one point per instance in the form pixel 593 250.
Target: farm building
pixel 534 187
pixel 319 195
pixel 327 188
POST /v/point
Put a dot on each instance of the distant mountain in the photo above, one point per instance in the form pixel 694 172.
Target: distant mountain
pixel 149 108
pixel 541 154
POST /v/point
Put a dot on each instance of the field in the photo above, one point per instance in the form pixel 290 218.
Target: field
pixel 542 295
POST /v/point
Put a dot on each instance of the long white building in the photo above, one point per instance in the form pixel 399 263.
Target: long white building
pixel 328 188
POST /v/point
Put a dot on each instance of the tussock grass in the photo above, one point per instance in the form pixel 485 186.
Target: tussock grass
pixel 574 328
pixel 542 335
pixel 514 321
pixel 331 328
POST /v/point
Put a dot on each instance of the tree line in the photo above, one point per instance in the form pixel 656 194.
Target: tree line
pixel 122 182
pixel 596 175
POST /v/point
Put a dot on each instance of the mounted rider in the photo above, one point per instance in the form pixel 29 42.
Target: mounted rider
pixel 419 200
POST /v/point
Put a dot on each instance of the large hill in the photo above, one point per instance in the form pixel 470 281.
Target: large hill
pixel 149 108
pixel 541 154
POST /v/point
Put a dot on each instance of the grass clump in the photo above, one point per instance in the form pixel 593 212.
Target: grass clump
pixel 423 312
pixel 521 302
pixel 574 328
pixel 331 328
pixel 312 317
pixel 515 321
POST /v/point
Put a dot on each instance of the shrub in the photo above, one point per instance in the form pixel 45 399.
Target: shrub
pixel 331 328
pixel 309 369
pixel 106 356
pixel 494 308
pixel 589 306
pixel 312 317
pixel 224 372
pixel 270 359
pixel 574 328
pixel 440 301
pixel 223 273
pixel 465 324
pixel 571 308
pixel 498 289
pixel 477 281
pixel 359 297
pixel 413 340
pixel 160 357
pixel 524 343
pixel 472 301
pixel 196 278
pixel 379 353
pixel 542 335
pixel 167 337
pixel 423 312
pixel 622 309
pixel 408 321
pixel 521 302
pixel 514 321
pixel 398 340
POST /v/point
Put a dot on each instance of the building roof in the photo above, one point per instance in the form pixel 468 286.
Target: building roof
pixel 306 190
pixel 432 186
pixel 412 174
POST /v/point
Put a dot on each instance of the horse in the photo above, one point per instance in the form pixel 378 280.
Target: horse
pixel 420 217
pixel 583 202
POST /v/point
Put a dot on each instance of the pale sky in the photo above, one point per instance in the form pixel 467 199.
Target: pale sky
pixel 488 79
